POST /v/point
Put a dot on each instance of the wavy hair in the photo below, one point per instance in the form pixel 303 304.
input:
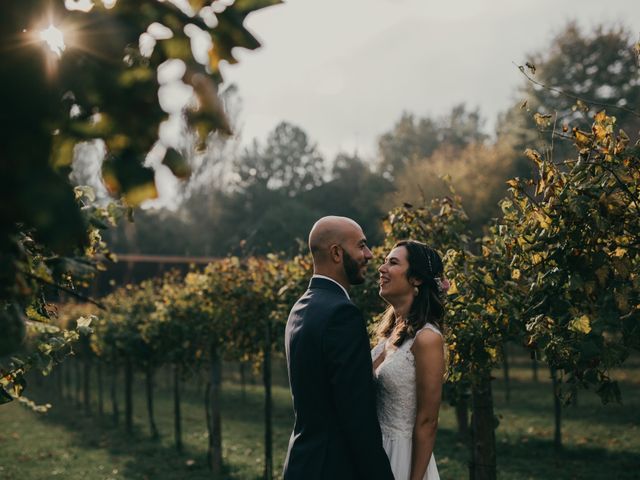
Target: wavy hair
pixel 428 305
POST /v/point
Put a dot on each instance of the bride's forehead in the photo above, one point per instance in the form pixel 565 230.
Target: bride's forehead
pixel 399 253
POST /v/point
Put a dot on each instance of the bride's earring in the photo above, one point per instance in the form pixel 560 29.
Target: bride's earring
pixel 415 291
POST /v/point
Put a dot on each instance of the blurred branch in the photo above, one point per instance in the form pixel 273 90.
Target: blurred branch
pixel 65 289
pixel 573 96
pixel 173 9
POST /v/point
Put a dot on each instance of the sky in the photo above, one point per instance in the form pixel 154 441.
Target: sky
pixel 345 70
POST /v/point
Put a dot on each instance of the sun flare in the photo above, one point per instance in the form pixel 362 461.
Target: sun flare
pixel 54 39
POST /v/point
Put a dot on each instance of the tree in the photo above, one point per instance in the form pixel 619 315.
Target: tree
pixel 412 139
pixel 578 244
pixel 288 163
pixel 267 210
pixel 89 93
pixel 354 191
pixel 52 103
pixel 477 173
pixel 587 72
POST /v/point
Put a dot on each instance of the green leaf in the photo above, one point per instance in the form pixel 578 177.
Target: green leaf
pixel 177 164
pixel 62 151
pixel 124 174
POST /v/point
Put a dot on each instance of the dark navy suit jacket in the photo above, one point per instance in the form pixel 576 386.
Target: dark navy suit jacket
pixel 336 433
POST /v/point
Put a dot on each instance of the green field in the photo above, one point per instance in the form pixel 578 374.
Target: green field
pixel 600 441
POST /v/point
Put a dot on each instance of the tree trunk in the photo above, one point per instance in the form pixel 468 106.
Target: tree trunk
pixel 177 419
pixel 149 381
pixel 462 418
pixel 86 385
pixel 214 453
pixel 128 395
pixel 266 379
pixel 78 382
pixel 505 370
pixel 557 410
pixel 60 381
pixel 100 390
pixel 199 383
pixel 115 410
pixel 534 369
pixel 243 380
pixel 67 380
pixel 483 438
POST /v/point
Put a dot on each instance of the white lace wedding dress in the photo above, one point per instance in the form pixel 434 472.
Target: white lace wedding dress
pixel 396 402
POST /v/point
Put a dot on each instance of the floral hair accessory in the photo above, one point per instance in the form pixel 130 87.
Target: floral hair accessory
pixel 443 284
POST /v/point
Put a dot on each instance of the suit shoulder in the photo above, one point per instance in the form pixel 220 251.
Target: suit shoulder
pixel 337 304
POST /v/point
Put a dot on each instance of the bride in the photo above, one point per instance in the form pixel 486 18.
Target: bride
pixel 409 360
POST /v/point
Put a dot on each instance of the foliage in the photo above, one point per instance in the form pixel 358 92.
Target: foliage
pixel 288 163
pixel 90 92
pixel 257 220
pixel 570 80
pixel 39 274
pixel 477 173
pixel 413 140
pixel 53 104
pixel 577 243
pixel 482 296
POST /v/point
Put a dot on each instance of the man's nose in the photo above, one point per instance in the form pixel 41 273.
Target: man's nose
pixel 367 253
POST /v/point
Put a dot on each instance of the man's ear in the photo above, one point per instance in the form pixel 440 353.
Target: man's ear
pixel 335 251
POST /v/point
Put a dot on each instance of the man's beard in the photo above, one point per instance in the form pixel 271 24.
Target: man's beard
pixel 352 270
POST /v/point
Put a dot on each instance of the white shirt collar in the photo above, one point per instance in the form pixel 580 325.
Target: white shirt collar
pixel 331 279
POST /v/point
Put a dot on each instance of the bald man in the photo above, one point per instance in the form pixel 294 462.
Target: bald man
pixel 336 434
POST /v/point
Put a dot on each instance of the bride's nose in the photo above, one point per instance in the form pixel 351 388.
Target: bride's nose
pixel 381 268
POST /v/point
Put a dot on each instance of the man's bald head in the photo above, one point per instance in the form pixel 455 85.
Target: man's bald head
pixel 328 231
pixel 339 249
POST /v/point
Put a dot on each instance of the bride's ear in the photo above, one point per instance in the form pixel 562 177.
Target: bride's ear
pixel 415 282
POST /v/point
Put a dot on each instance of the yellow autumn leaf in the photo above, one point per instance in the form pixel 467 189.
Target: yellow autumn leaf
pixel 492 353
pixel 453 289
pixel 622 142
pixel 533 155
pixel 620 252
pixel 536 258
pixel 515 274
pixel 600 132
pixel 600 116
pixel 543 219
pixel 583 139
pixel 581 324
pixel 542 120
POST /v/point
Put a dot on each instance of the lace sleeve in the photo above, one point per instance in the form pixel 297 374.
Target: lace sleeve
pixel 377 350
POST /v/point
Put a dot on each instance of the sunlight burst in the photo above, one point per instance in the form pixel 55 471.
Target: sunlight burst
pixel 54 39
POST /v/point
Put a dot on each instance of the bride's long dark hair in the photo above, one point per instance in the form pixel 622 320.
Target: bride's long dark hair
pixel 428 305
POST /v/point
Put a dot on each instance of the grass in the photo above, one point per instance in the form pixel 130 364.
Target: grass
pixel 599 441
